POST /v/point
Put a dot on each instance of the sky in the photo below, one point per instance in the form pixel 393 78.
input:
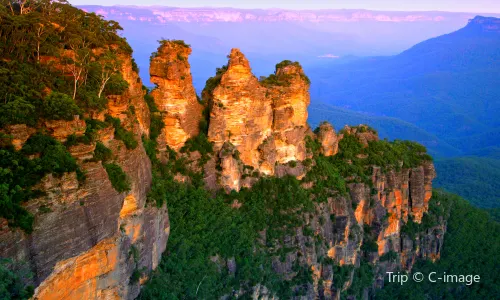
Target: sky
pixel 490 6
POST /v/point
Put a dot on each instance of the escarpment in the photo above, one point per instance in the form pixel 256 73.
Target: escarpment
pixel 80 225
pixel 174 94
pixel 264 206
pixel 84 232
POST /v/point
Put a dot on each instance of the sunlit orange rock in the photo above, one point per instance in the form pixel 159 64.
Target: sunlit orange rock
pixel 175 95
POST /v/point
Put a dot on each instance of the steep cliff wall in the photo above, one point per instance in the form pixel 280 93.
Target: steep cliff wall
pixel 265 120
pixel 241 114
pixel 174 95
pixel 89 241
pixel 364 226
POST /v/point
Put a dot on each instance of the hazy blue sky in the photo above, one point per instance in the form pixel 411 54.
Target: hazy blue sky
pixel 491 6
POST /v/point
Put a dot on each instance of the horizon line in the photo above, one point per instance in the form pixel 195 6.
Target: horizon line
pixel 292 9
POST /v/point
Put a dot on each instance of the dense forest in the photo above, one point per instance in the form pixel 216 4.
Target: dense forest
pixel 471 246
pixel 473 178
pixel 207 230
pixel 56 63
pixel 59 63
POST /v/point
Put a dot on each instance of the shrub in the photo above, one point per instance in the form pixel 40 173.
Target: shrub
pixel 121 133
pixel 118 178
pixel 54 157
pixel 59 106
pixel 176 42
pixel 116 85
pixel 199 143
pixel 74 140
pixel 19 174
pixel 18 111
pixel 150 101
pixel 135 67
pixel 156 126
pixel 389 256
pixel 213 82
pixel 11 281
pixel 102 153
pixel 369 245
pixel 92 127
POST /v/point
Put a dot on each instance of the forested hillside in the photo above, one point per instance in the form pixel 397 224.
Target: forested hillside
pixel 472 246
pixel 56 62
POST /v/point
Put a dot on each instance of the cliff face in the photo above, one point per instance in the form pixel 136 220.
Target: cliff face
pixel 290 101
pixel 265 120
pixel 241 114
pixel 89 239
pixel 372 213
pixel 91 242
pixel 174 95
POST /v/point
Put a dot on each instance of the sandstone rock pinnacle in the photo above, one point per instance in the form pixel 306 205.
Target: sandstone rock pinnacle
pixel 175 95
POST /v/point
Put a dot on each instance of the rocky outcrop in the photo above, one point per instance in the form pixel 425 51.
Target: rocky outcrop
pixel 19 134
pixel 174 95
pixel 339 227
pixel 230 177
pixel 61 129
pixel 328 139
pixel 364 133
pixel 290 95
pixel 241 114
pixel 265 120
pixel 88 239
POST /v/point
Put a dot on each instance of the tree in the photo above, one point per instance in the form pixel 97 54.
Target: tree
pixel 59 106
pixel 107 65
pixel 77 62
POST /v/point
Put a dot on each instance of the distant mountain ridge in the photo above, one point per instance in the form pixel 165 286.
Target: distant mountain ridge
pixel 445 91
pixel 164 14
pixel 448 86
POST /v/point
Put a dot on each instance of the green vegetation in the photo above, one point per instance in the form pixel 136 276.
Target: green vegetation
pixel 118 178
pixel 19 173
pixel 494 213
pixel 471 246
pixel 11 281
pixel 354 163
pixel 122 134
pixel 59 106
pixel 102 153
pixel 213 82
pixel 156 126
pixel 201 144
pixel 206 231
pixel 474 178
pixel 150 101
pixel 175 42
pixel 389 256
pixel 49 70
pixel 50 73
pixel 163 42
pixel 363 278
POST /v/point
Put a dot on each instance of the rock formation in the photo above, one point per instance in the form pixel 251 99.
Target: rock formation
pixel 290 95
pixel 174 94
pixel 339 223
pixel 265 120
pixel 328 139
pixel 241 114
pixel 82 240
pixel 92 242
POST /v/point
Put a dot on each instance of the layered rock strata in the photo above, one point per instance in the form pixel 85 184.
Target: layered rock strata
pixel 265 120
pixel 174 94
pixel 88 239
